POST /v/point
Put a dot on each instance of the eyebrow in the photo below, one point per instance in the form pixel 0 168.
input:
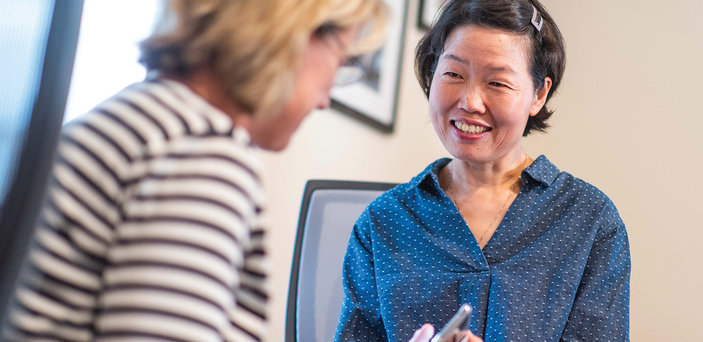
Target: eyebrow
pixel 492 68
pixel 454 57
pixel 507 69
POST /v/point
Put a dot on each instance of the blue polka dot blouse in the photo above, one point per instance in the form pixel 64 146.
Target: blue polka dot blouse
pixel 556 269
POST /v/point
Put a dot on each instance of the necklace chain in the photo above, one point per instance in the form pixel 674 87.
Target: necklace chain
pixel 505 203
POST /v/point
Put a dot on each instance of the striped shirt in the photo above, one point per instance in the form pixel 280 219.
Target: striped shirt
pixel 152 229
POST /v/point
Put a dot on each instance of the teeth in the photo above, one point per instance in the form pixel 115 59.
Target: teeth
pixel 471 129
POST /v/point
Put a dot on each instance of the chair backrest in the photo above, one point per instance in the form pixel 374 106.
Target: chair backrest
pixel 38 39
pixel 327 215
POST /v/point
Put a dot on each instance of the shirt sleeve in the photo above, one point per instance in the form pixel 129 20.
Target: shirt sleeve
pixel 360 319
pixel 249 317
pixel 601 309
pixel 56 297
pixel 180 257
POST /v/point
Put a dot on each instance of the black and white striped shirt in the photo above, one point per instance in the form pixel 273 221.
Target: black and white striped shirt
pixel 152 229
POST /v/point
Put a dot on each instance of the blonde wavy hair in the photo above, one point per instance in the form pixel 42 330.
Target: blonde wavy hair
pixel 254 45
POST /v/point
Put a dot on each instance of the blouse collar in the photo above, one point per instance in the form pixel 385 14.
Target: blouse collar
pixel 541 171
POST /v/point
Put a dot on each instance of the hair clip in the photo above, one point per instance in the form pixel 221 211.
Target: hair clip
pixel 538 25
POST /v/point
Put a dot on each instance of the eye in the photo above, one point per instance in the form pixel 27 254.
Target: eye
pixel 452 74
pixel 352 61
pixel 497 84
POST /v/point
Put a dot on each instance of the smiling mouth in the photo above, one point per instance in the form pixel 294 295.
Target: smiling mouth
pixel 470 129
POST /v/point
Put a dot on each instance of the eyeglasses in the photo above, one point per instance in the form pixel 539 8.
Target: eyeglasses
pixel 352 70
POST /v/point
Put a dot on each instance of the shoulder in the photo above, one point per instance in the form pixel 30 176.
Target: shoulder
pixel 406 195
pixel 155 110
pixel 543 174
pixel 160 117
pixel 388 200
pixel 583 190
pixel 159 135
pixel 584 197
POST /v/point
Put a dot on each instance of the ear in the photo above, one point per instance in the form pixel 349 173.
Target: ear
pixel 541 96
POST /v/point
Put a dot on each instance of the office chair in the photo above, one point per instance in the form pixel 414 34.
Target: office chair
pixel 327 215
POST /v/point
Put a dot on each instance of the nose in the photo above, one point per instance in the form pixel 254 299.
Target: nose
pixel 326 101
pixel 472 101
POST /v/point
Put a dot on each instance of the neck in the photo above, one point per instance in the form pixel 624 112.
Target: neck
pixel 205 82
pixel 469 177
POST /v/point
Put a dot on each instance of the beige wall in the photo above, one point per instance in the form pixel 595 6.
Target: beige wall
pixel 626 114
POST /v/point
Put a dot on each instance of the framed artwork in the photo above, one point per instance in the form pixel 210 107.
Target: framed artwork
pixel 373 99
pixel 427 12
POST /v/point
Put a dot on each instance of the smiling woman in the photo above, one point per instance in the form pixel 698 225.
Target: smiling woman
pixel 538 253
pixel 545 50
pixel 484 70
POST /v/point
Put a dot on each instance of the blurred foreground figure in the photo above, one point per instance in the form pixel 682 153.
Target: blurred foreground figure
pixel 153 226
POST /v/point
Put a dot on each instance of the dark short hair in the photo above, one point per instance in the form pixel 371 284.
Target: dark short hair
pixel 547 54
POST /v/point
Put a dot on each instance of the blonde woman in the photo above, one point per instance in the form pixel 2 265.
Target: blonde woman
pixel 152 229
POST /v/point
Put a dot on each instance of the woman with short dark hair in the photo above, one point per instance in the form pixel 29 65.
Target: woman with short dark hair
pixel 539 254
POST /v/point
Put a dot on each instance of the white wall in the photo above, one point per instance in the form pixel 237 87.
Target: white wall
pixel 628 112
pixel 626 115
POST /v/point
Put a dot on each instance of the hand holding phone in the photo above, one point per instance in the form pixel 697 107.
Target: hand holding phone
pixel 455 324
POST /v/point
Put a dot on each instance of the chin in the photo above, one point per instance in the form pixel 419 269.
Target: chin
pixel 471 156
pixel 275 148
pixel 274 145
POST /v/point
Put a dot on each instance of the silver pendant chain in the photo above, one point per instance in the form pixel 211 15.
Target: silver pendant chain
pixel 493 221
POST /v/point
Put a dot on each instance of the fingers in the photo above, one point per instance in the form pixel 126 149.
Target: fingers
pixel 424 334
pixel 473 338
pixel 466 336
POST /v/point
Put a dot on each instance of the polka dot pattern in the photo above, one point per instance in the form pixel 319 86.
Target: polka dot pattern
pixel 556 269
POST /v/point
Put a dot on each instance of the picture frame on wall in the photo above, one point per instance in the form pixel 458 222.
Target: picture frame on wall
pixel 427 13
pixel 373 99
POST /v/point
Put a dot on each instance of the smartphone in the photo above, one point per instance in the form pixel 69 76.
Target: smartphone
pixel 459 321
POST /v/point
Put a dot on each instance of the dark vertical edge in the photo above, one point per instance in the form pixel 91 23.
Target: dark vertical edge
pixel 23 202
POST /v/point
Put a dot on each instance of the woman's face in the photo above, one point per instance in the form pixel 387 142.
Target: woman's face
pixel 313 81
pixel 482 93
